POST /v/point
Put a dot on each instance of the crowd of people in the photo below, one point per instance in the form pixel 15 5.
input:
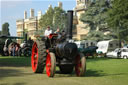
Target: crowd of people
pixel 14 50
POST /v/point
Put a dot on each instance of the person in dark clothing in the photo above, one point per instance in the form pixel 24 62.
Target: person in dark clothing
pixel 13 50
pixel 119 53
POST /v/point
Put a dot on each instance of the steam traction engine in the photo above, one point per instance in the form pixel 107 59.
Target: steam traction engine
pixel 62 52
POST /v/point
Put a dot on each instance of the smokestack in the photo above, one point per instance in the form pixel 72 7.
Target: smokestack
pixel 69 24
pixel 25 14
pixel 31 13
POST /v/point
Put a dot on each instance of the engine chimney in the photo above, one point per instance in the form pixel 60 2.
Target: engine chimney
pixel 69 24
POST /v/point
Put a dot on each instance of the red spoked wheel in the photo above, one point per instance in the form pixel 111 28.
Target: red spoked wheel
pixel 50 64
pixel 80 66
pixel 34 57
pixel 38 57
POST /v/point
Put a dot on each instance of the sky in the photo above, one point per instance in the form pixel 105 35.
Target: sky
pixel 11 10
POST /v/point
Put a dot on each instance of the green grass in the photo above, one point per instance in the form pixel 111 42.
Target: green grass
pixel 100 71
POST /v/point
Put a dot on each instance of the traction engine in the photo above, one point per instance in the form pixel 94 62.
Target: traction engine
pixel 58 51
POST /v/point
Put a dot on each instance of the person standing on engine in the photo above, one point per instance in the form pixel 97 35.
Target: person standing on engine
pixel 47 32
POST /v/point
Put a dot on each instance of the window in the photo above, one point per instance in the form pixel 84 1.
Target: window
pixel 125 50
pixel 111 45
pixel 117 44
pixel 91 43
pixel 86 44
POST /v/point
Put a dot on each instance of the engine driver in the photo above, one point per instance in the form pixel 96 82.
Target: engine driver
pixel 47 32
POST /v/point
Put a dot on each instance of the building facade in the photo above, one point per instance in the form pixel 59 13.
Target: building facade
pixel 82 29
pixel 30 25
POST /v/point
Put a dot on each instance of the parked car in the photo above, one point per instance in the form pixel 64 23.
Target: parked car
pixel 115 53
pixel 89 51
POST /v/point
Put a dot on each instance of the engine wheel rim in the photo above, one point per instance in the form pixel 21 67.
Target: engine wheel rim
pixel 34 57
pixel 78 66
pixel 48 65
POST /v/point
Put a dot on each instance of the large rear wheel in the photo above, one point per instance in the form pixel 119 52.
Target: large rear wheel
pixel 38 56
pixel 80 67
pixel 50 64
pixel 27 51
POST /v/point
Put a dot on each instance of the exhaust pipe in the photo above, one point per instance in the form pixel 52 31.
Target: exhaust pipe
pixel 69 24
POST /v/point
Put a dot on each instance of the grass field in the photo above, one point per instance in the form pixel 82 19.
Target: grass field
pixel 100 71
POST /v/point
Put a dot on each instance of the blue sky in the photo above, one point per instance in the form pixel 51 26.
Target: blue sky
pixel 11 10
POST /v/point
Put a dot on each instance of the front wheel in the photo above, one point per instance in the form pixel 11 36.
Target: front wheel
pixel 125 57
pixel 80 67
pixel 50 64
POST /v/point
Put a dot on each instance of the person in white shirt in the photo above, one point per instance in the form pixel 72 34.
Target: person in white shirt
pixel 47 32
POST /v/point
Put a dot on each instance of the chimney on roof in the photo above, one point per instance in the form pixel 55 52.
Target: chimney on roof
pixel 39 14
pixel 31 13
pixel 25 14
pixel 60 5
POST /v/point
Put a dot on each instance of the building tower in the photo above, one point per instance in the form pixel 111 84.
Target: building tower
pixel 79 9
pixel 25 14
pixel 31 13
pixel 39 14
pixel 60 5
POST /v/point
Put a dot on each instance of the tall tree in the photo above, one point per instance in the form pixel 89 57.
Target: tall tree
pixel 47 18
pixel 118 18
pixel 95 14
pixel 5 29
pixel 59 18
pixel 54 17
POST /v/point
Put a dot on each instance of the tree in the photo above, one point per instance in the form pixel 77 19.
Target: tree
pixel 47 19
pixel 59 18
pixel 96 14
pixel 55 18
pixel 118 18
pixel 98 36
pixel 5 29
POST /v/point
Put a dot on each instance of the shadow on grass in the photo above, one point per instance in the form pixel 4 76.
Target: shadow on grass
pixel 94 73
pixel 89 73
pixel 97 59
pixel 14 84
pixel 12 73
pixel 15 61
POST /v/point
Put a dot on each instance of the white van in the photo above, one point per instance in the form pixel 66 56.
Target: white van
pixel 107 46
pixel 80 44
